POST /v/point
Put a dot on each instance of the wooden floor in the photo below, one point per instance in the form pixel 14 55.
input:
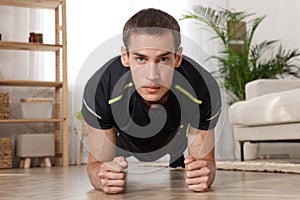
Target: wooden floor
pixel 144 183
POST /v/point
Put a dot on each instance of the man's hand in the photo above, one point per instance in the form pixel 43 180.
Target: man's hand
pixel 112 175
pixel 199 174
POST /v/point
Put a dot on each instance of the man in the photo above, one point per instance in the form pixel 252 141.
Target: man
pixel 149 102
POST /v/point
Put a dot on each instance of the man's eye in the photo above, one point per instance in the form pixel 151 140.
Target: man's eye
pixel 164 60
pixel 140 60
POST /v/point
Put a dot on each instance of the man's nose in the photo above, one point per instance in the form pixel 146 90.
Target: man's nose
pixel 153 72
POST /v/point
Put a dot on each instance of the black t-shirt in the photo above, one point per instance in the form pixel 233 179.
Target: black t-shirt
pixel 110 100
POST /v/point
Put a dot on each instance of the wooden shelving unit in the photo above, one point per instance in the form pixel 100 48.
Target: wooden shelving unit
pixel 26 46
pixel 60 83
pixel 28 83
pixel 47 4
pixel 28 120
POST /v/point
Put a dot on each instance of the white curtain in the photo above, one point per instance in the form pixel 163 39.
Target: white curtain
pixel 16 24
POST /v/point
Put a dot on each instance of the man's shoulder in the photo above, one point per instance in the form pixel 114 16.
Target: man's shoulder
pixel 113 66
pixel 110 72
pixel 194 72
pixel 195 79
pixel 189 65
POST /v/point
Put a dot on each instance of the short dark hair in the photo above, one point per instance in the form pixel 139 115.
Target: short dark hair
pixel 152 21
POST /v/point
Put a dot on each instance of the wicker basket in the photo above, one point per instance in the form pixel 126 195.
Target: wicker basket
pixel 4 106
pixel 5 153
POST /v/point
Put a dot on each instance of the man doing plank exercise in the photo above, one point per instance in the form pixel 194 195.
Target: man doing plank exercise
pixel 148 102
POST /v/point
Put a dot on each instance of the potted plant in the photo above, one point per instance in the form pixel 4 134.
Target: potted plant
pixel 241 61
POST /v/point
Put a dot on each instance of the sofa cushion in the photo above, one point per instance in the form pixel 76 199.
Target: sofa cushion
pixel 264 86
pixel 272 108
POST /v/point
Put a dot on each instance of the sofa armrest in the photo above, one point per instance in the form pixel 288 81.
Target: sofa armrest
pixel 264 86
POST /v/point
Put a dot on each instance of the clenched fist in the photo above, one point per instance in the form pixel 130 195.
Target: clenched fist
pixel 199 174
pixel 112 175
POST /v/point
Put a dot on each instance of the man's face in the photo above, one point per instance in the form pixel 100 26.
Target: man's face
pixel 152 59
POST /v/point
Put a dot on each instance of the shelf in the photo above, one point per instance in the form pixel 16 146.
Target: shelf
pixel 58 9
pixel 28 46
pixel 48 4
pixel 30 83
pixel 28 120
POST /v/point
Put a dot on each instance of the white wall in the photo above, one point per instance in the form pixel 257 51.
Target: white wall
pixel 281 22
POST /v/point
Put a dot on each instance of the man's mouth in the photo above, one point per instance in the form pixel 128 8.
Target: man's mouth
pixel 151 88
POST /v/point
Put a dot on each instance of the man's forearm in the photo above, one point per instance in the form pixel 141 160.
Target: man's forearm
pixel 201 147
pixel 93 170
pixel 102 145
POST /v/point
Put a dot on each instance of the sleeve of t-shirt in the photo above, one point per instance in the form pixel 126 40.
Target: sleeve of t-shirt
pixel 210 108
pixel 95 108
pixel 210 112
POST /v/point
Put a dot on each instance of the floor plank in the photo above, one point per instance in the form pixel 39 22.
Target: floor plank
pixel 144 183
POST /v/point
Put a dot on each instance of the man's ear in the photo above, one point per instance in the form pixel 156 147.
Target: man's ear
pixel 178 57
pixel 124 57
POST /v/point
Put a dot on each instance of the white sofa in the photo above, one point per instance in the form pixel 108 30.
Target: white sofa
pixel 270 113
